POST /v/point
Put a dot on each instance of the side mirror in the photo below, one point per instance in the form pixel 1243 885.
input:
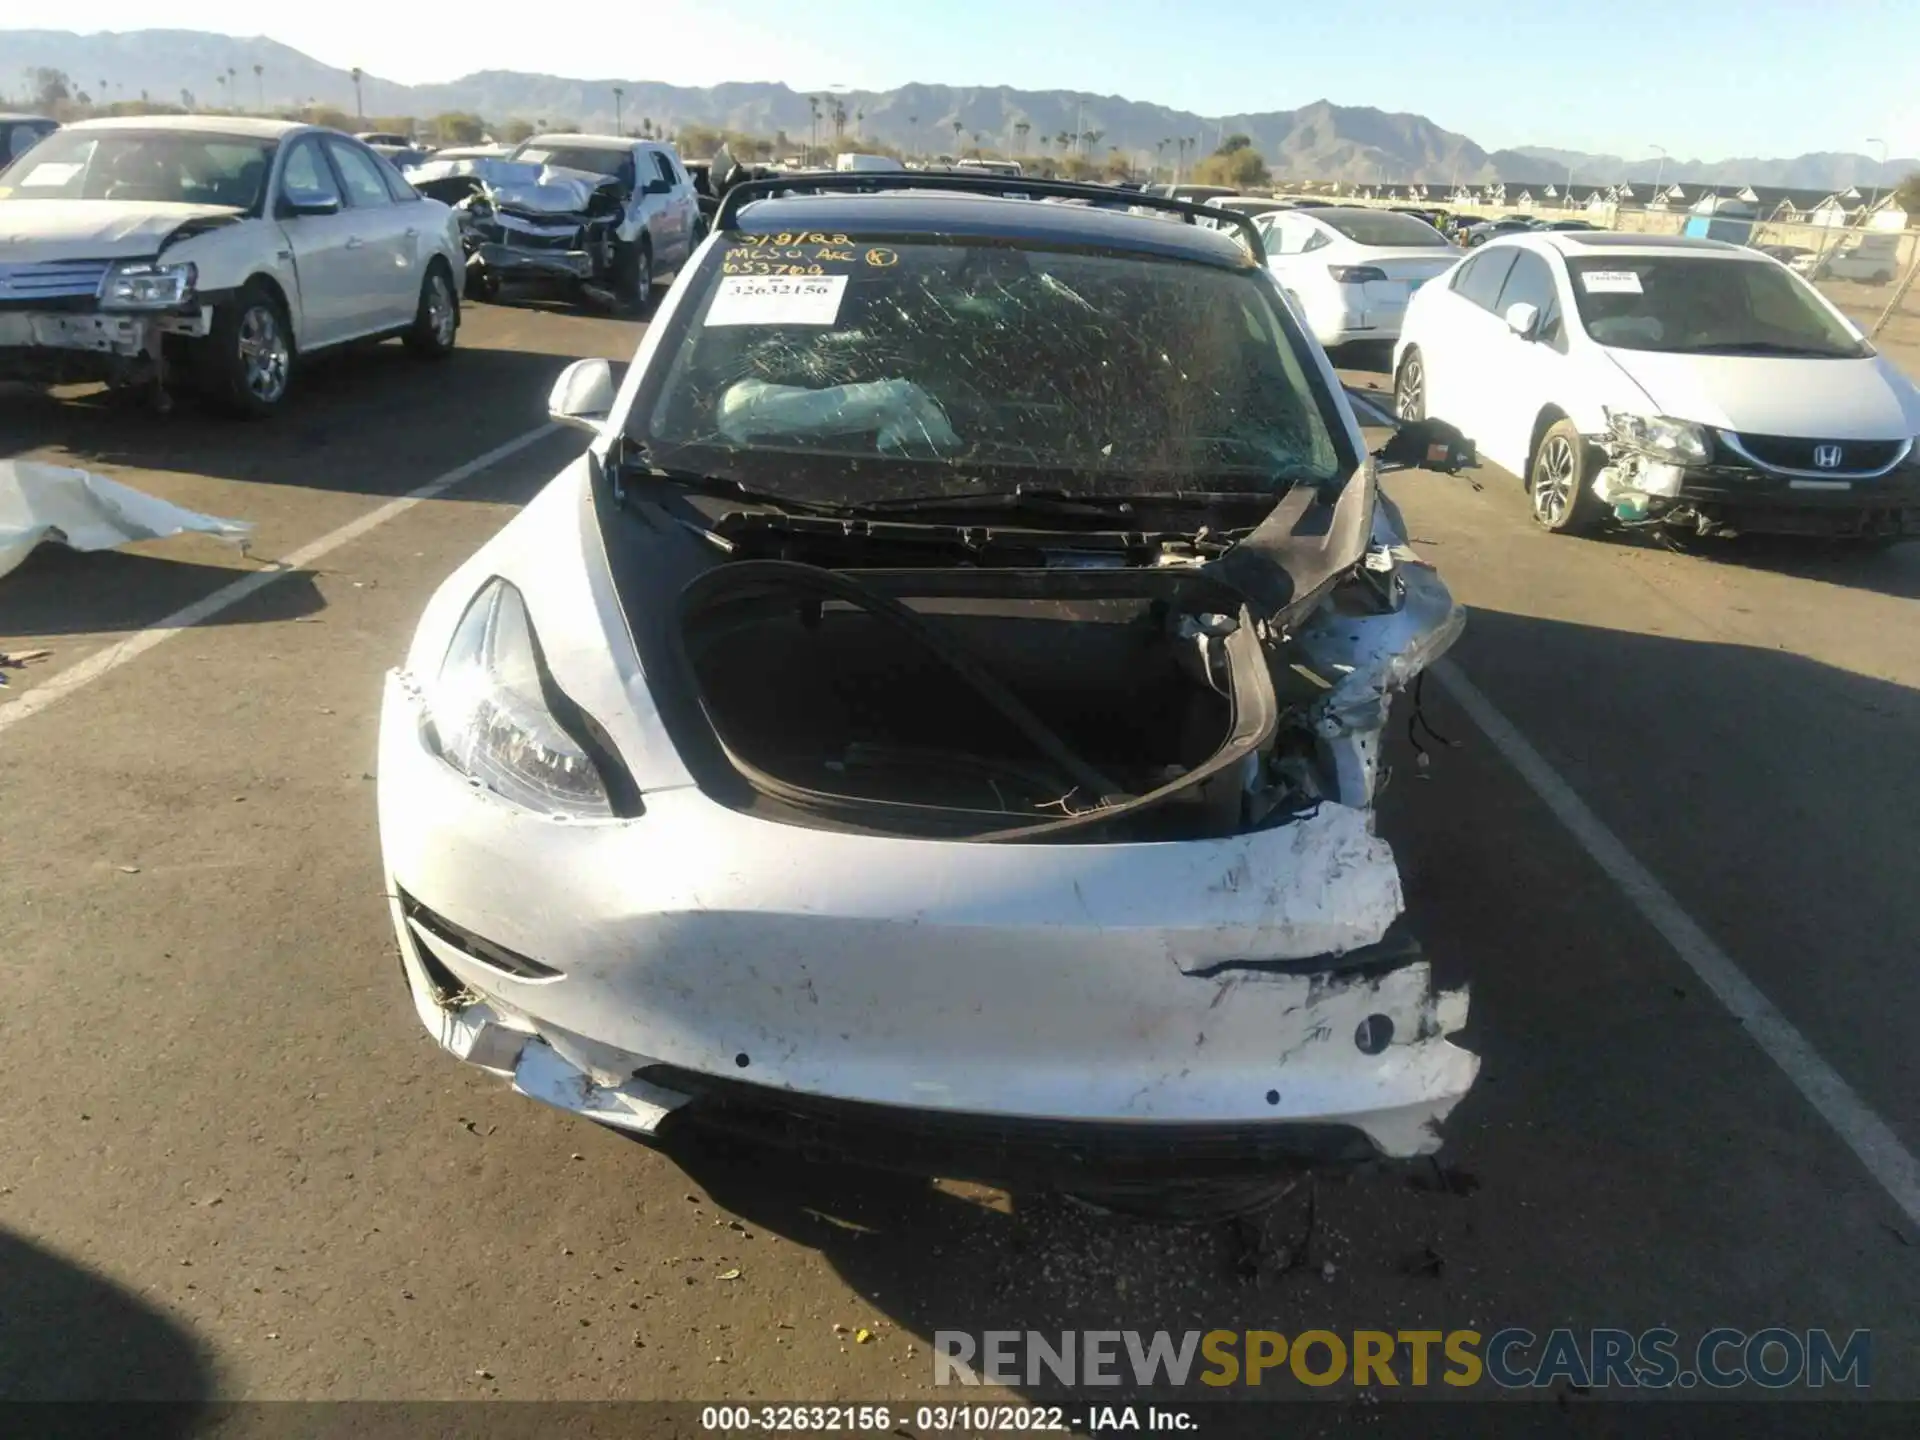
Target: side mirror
pixel 1523 319
pixel 657 186
pixel 294 206
pixel 582 398
pixel 1424 444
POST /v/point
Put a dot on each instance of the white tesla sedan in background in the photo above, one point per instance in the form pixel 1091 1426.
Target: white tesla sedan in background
pixel 1349 271
pixel 1669 380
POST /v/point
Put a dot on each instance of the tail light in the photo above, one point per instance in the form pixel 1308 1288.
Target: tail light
pixel 1355 274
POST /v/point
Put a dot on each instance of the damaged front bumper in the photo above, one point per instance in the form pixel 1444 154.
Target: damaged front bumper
pixel 510 262
pixel 1241 998
pixel 1733 493
pixel 91 344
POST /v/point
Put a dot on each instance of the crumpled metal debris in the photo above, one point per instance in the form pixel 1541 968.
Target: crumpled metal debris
pixel 85 511
pixel 19 662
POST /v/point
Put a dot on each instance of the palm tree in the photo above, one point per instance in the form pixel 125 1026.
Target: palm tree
pixel 839 122
pixel 233 90
pixel 1093 138
pixel 103 92
pixel 1064 140
pixel 859 118
pixel 1020 128
pixel 186 99
pixel 1159 153
pixel 619 94
pixel 359 106
pixel 813 131
pixel 260 86
pixel 913 131
pixel 221 81
pixel 646 127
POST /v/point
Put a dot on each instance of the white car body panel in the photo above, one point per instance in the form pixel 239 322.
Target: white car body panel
pixel 344 276
pixel 1339 312
pixel 1494 385
pixel 1080 982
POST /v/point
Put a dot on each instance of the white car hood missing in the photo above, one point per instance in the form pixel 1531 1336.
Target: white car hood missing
pixel 1777 395
pixel 37 230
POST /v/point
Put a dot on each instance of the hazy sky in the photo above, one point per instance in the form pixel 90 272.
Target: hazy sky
pixel 1704 78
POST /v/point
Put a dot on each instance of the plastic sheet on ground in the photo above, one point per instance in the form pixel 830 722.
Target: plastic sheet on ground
pixel 88 512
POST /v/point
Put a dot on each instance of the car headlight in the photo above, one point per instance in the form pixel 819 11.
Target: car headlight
pixel 1661 436
pixel 493 709
pixel 143 285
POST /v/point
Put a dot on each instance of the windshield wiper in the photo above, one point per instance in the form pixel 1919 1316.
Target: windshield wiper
pixel 1070 502
pixel 1771 347
pixel 728 488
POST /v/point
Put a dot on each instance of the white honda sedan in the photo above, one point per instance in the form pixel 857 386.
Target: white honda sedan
pixel 1665 381
pixel 1348 271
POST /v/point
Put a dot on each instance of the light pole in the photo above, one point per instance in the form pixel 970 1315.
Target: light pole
pixel 618 111
pixel 1659 170
pixel 1874 204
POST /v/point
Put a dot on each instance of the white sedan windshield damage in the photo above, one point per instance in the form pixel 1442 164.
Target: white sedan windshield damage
pixel 1001 806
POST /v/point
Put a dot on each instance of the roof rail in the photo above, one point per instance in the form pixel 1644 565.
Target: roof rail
pixel 874 182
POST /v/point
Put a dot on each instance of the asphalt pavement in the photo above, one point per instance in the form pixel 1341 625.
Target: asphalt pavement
pixel 231 1165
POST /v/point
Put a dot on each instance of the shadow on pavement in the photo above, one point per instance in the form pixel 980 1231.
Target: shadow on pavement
pixel 1894 571
pixel 68 1334
pixel 66 592
pixel 370 420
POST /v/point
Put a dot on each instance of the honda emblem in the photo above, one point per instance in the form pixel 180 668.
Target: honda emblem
pixel 1826 457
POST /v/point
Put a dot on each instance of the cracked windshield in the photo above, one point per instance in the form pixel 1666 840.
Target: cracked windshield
pixel 1115 372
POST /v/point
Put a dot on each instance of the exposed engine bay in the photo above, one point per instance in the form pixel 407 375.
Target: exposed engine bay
pixel 519 219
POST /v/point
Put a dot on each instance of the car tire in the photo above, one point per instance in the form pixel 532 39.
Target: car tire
pixel 246 360
pixel 1410 387
pixel 1559 480
pixel 633 274
pixel 436 319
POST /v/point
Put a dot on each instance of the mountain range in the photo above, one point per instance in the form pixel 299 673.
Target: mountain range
pixel 1320 141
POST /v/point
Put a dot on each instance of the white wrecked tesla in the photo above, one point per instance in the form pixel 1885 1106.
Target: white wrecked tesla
pixel 938 719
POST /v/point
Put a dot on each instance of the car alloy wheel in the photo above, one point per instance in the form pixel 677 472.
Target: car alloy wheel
pixel 263 353
pixel 441 316
pixel 1410 389
pixel 1555 473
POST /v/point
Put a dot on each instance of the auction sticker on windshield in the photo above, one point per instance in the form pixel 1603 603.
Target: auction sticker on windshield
pixel 1610 282
pixel 777 300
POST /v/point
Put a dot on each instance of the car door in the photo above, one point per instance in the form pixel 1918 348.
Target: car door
pixel 1522 373
pixel 386 279
pixel 666 196
pixel 311 211
pixel 1456 349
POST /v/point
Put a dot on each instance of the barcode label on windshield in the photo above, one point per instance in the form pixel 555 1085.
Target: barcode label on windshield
pixel 1610 282
pixel 777 300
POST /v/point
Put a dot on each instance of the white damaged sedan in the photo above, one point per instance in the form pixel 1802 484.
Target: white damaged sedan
pixel 938 719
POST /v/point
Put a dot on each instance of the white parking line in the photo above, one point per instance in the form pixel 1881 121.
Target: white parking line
pixel 65 682
pixel 1852 1119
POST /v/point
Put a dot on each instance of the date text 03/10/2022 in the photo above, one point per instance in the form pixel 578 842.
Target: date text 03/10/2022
pixel 942 1419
